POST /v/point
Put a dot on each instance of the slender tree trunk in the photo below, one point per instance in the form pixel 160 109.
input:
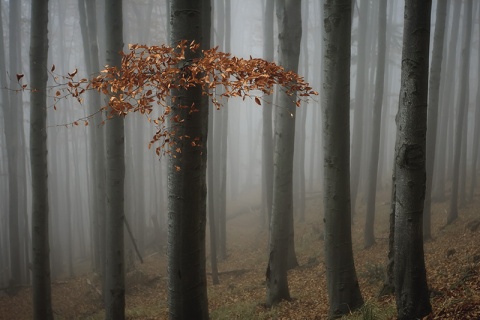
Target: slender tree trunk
pixel 206 44
pixel 88 24
pixel 115 174
pixel 342 284
pixel 433 97
pixel 13 199
pixel 42 302
pixel 222 182
pixel 186 181
pixel 97 141
pixel 462 109
pixel 290 34
pixel 19 144
pixel 300 135
pixel 267 139
pixel 376 122
pixel 476 139
pixel 462 181
pixel 448 98
pixel 410 276
pixel 357 138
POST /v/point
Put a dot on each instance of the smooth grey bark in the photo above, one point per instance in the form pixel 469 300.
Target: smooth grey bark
pixel 267 129
pixel 433 102
pixel 411 288
pixel 221 138
pixel 462 109
pixel 206 44
pixel 448 96
pixel 41 287
pixel 19 144
pixel 290 34
pixel 187 284
pixel 216 135
pixel 300 136
pixel 114 292
pixel 476 141
pixel 11 153
pixel 343 290
pixel 462 181
pixel 369 237
pixel 96 141
pixel 357 137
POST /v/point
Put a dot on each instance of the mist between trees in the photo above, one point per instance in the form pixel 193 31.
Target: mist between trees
pixel 94 184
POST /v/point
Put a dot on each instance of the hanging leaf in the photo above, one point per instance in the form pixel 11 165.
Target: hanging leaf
pixel 257 100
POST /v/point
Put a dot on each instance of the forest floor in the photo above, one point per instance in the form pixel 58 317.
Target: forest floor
pixel 452 260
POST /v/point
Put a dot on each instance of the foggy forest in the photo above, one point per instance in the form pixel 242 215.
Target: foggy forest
pixel 239 159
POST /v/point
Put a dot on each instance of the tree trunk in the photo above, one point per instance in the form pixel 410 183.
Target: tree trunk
pixel 342 284
pixel 19 144
pixel 186 181
pixel 88 24
pixel 42 302
pixel 206 44
pixel 462 109
pixel 359 102
pixel 300 136
pixel 476 140
pixel 447 97
pixel 267 139
pixel 13 196
pixel 281 228
pixel 115 158
pixel 223 145
pixel 376 122
pixel 409 270
pixel 433 97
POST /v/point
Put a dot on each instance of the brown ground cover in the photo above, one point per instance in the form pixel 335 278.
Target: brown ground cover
pixel 452 259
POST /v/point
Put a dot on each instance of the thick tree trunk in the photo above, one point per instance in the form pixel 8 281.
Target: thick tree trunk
pixel 42 302
pixel 187 285
pixel 281 228
pixel 462 109
pixel 410 276
pixel 433 97
pixel 115 158
pixel 342 284
pixel 369 238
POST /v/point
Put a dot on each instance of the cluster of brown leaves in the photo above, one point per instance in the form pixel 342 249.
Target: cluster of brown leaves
pixel 148 74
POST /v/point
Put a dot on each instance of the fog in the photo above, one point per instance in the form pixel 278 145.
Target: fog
pixel 147 22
